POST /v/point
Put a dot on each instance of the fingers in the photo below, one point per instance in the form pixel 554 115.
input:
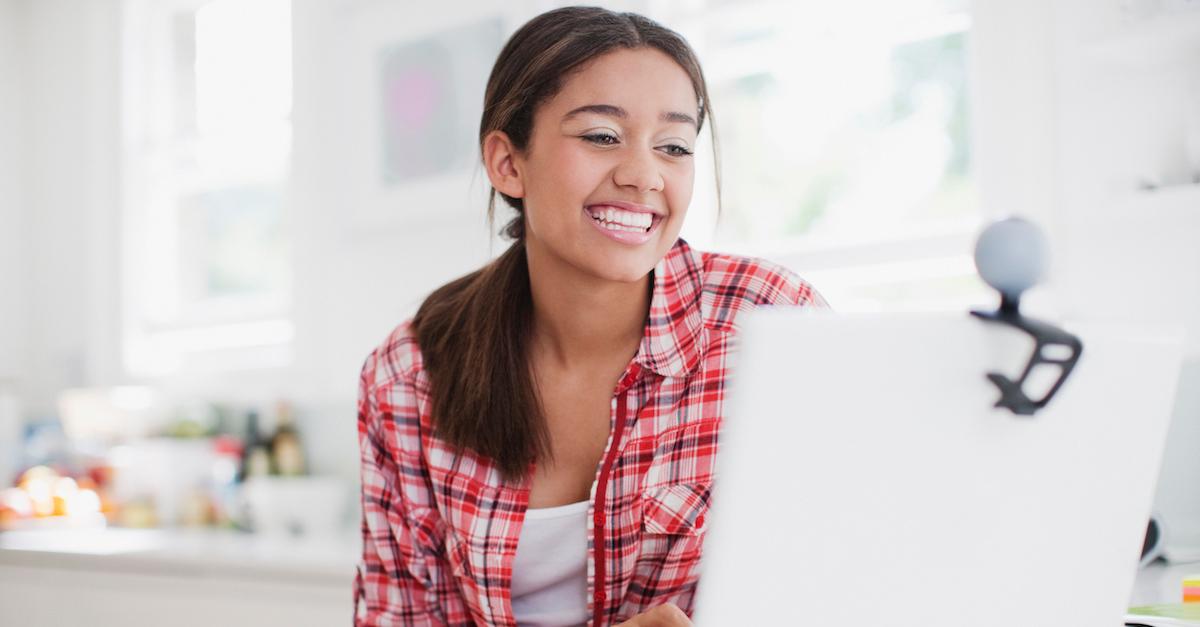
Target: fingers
pixel 665 615
pixel 671 616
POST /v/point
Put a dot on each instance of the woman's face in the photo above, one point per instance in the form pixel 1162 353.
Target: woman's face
pixel 608 171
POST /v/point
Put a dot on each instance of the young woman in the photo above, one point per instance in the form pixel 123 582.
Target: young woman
pixel 538 441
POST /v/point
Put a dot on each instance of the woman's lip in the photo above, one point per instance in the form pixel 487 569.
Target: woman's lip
pixel 626 237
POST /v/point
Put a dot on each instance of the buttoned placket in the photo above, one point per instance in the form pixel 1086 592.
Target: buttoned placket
pixel 598 586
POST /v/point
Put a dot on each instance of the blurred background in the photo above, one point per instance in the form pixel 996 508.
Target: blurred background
pixel 212 210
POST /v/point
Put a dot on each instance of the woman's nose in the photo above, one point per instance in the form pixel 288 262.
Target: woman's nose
pixel 639 170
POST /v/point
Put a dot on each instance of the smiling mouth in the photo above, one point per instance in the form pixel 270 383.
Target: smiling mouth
pixel 621 220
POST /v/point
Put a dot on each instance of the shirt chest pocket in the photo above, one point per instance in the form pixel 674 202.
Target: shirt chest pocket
pixel 675 493
pixel 673 524
pixel 679 509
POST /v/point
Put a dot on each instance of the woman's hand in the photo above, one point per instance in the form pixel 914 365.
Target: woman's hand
pixel 665 615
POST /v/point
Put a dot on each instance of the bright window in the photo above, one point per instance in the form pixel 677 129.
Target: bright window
pixel 845 145
pixel 208 140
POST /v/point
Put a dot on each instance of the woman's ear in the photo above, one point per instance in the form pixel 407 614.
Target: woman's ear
pixel 500 159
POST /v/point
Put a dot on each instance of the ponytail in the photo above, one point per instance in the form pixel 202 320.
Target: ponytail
pixel 473 333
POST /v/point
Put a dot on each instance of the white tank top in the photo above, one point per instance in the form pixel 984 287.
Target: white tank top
pixel 549 581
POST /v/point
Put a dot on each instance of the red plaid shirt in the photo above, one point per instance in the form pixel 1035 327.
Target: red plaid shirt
pixel 439 536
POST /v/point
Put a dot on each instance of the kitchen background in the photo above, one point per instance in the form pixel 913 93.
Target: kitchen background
pixel 210 211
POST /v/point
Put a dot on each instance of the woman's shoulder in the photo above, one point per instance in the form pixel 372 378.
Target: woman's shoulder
pixel 737 281
pixel 397 357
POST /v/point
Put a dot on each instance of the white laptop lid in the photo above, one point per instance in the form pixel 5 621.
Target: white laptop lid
pixel 865 479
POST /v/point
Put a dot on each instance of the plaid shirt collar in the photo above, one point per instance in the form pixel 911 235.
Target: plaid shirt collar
pixel 674 339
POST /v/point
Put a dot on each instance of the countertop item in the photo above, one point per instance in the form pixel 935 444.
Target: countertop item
pixel 1161 582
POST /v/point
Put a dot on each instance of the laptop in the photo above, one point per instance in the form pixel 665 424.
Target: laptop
pixel 865 477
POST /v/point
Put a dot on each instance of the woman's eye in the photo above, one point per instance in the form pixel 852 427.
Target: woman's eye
pixel 675 150
pixel 602 139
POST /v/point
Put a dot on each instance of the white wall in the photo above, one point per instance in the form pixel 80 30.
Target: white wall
pixel 70 94
pixel 1013 110
pixel 13 239
pixel 1124 93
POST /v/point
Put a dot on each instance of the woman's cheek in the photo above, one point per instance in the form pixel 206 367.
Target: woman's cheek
pixel 679 194
pixel 581 162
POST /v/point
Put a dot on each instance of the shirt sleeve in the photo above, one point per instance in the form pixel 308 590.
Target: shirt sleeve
pixel 394 583
pixel 797 291
pixel 809 297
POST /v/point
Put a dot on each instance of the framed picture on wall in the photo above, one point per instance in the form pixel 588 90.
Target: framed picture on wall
pixel 426 90
pixel 407 116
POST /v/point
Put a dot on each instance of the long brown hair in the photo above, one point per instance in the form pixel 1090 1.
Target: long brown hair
pixel 473 332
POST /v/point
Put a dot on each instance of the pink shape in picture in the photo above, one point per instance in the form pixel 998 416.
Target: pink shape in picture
pixel 421 136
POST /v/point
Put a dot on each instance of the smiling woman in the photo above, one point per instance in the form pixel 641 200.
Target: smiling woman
pixel 538 441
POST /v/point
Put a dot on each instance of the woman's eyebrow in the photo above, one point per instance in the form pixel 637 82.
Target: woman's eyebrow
pixel 618 112
pixel 675 116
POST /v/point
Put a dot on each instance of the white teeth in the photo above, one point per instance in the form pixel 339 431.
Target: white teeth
pixel 618 220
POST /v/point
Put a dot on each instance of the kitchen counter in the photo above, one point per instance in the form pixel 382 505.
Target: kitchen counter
pixel 187 553
pixel 183 578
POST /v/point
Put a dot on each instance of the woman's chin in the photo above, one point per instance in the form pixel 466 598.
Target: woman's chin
pixel 627 272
